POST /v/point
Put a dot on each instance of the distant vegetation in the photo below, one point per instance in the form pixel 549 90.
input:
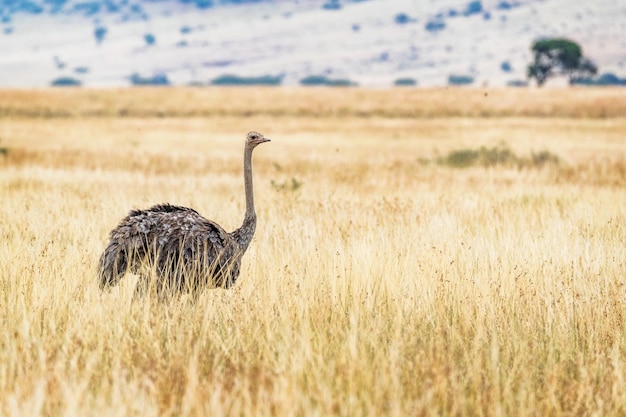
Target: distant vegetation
pixel 499 155
pixel 4 151
pixel 517 83
pixel 555 57
pixel 66 82
pixel 435 25
pixel 149 38
pixel 229 79
pixel 460 80
pixel 87 8
pixel 551 57
pixel 607 79
pixel 203 4
pixel 56 4
pixel 400 82
pixel 157 79
pixel 403 18
pixel 507 5
pixel 25 6
pixel 288 185
pixel 99 33
pixel 322 80
pixel 332 5
pixel 474 7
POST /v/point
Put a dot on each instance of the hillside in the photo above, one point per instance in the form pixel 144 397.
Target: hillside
pixel 105 43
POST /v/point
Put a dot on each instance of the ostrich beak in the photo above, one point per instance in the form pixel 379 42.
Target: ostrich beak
pixel 264 139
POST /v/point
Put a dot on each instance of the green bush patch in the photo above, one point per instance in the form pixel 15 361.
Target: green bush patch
pixel 496 156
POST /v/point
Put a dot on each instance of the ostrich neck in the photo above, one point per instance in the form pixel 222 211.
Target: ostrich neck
pixel 244 234
pixel 247 180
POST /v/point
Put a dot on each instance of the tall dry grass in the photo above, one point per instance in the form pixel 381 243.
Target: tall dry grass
pixel 314 102
pixel 379 282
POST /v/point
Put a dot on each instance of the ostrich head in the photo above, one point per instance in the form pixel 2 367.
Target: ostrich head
pixel 255 138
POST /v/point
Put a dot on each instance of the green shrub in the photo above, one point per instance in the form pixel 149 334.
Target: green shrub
pixel 460 158
pixel 157 79
pixel 66 82
pixel 322 80
pixel 460 80
pixel 292 185
pixel 405 82
pixel 229 79
pixel 603 80
pixel 496 156
pixel 544 157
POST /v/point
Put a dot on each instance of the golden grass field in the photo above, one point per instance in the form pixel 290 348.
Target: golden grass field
pixel 382 280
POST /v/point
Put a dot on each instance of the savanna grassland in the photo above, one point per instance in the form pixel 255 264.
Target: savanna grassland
pixel 418 252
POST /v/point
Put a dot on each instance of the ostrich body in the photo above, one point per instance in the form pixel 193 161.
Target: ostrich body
pixel 184 250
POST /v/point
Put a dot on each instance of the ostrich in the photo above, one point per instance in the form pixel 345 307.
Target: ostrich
pixel 179 247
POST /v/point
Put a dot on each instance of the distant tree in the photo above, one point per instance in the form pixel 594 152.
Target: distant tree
pixel 473 7
pixel 403 19
pixel 99 33
pixel 149 38
pixel 555 57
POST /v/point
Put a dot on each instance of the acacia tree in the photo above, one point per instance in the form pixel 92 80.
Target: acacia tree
pixel 559 57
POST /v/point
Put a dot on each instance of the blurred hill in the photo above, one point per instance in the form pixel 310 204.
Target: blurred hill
pixel 373 43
